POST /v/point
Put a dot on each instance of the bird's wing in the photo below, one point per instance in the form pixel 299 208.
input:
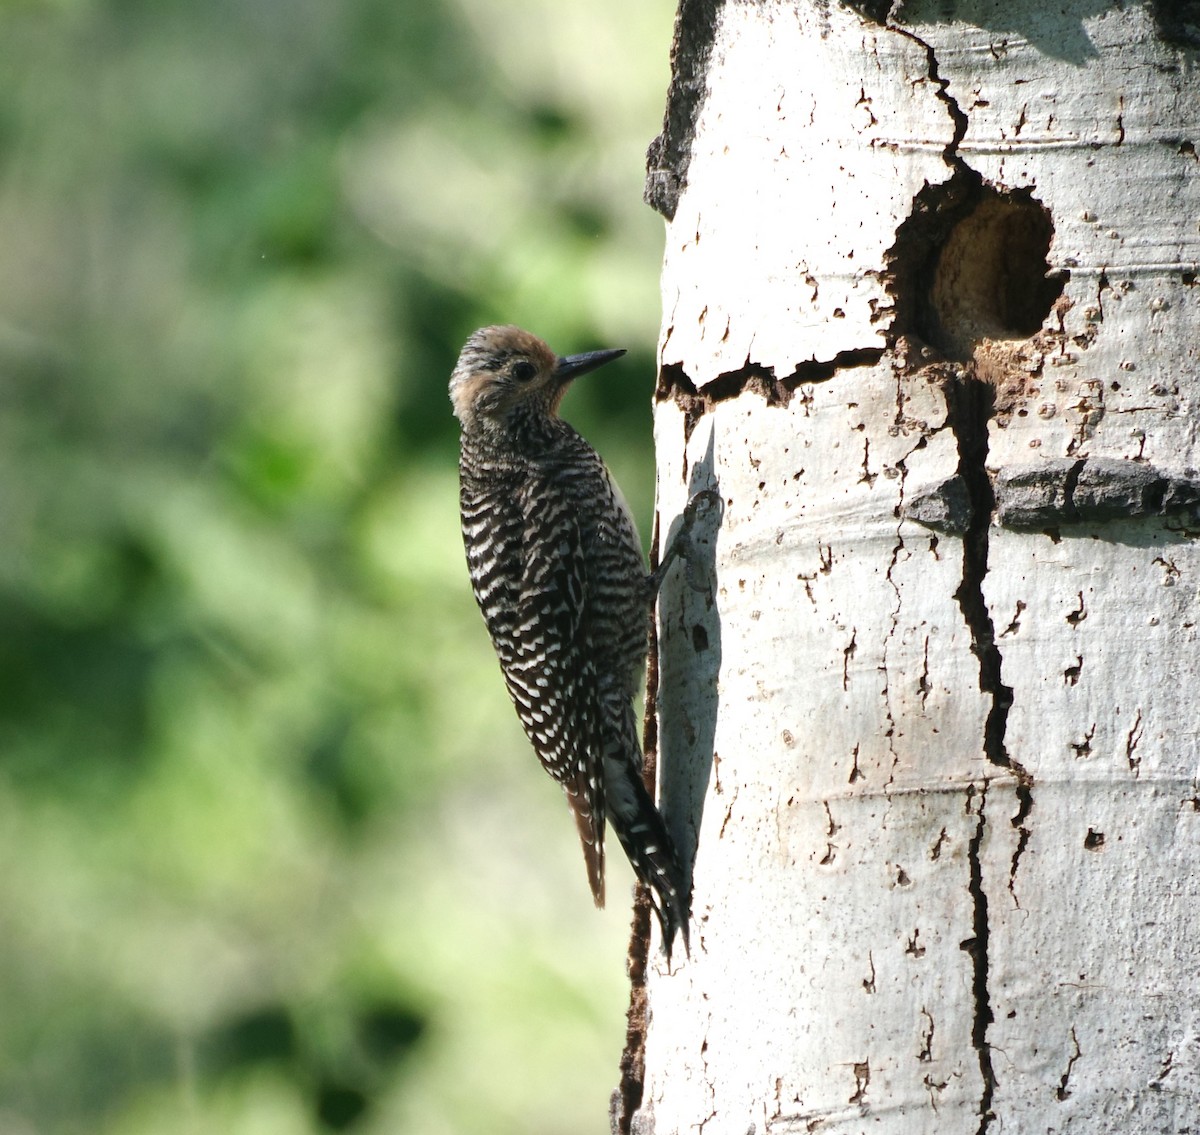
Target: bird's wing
pixel 551 675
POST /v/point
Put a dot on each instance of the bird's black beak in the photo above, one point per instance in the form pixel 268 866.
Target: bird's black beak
pixel 574 365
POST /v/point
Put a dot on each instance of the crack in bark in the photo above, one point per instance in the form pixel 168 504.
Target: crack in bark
pixel 675 384
pixel 890 732
pixel 1131 743
pixel 1168 1066
pixel 1079 614
pixel 977 948
pixel 969 405
pixel 868 478
pixel 969 410
pixel 848 652
pixel 934 1088
pixel 957 115
pixel 1061 1091
pixel 712 1095
pixel 1015 623
pixel 926 1053
pixel 935 852
pixel 923 686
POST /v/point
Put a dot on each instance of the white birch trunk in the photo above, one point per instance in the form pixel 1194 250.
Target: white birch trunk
pixel 933 741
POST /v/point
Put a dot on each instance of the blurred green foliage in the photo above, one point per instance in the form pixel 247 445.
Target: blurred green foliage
pixel 274 856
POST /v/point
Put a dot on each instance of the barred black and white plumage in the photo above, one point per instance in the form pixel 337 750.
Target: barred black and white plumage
pixel 556 567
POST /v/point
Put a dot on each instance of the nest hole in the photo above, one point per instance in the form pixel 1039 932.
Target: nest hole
pixel 970 264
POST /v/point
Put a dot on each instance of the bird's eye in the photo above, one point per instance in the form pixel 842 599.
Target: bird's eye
pixel 523 371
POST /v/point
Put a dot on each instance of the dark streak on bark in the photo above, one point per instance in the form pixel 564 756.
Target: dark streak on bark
pixel 627 1098
pixel 670 154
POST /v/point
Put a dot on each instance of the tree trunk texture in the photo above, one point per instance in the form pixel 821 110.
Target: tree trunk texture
pixel 931 326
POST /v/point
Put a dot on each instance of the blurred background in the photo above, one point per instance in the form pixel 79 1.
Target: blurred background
pixel 274 854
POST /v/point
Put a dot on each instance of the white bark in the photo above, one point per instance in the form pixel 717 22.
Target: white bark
pixel 915 908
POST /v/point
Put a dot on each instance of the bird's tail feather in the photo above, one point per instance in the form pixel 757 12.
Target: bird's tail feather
pixel 643 835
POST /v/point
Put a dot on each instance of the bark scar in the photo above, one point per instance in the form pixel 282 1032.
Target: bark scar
pixel 862 1080
pixel 669 155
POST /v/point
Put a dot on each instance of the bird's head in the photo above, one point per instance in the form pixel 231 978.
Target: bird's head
pixel 504 375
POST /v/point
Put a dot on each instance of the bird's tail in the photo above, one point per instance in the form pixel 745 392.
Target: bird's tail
pixel 640 828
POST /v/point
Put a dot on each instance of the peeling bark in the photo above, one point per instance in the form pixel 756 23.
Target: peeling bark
pixel 929 329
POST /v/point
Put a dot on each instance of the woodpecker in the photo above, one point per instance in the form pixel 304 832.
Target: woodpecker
pixel 556 568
